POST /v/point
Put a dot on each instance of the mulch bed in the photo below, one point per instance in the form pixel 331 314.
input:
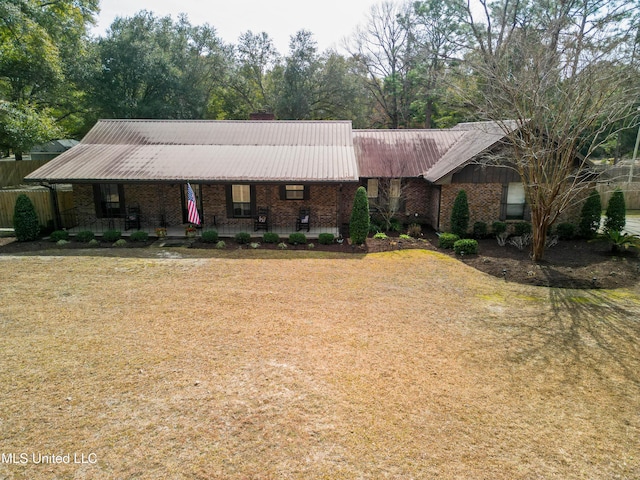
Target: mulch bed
pixel 570 264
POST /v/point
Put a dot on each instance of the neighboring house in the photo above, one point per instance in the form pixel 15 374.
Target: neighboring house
pixel 240 168
pixel 50 150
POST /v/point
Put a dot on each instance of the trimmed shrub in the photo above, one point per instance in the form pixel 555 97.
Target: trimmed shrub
pixel 25 219
pixel 590 215
pixel 480 229
pixel 111 236
pixel 359 222
pixel 460 214
pixel 326 238
pixel 414 230
pixel 297 238
pixel 243 238
pixel 59 235
pixel 446 240
pixel 209 236
pixel 121 242
pixel 270 237
pixel 498 227
pixel 85 236
pixel 615 216
pixel 466 246
pixel 566 231
pixel 139 236
pixel 521 228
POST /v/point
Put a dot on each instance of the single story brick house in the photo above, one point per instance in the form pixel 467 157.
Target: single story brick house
pixel 240 170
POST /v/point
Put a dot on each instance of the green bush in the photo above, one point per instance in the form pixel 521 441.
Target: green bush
pixel 25 219
pixel 480 229
pixel 242 238
pixel 566 231
pixel 121 242
pixel 380 236
pixel 270 237
pixel 521 228
pixel 59 235
pixel 221 245
pixel 460 214
pixel 359 222
pixel 209 236
pixel 139 236
pixel 111 236
pixel 326 238
pixel 615 216
pixel 590 215
pixel 62 242
pixel 282 246
pixel 466 246
pixel 414 230
pixel 85 236
pixel 498 227
pixel 297 238
pixel 446 240
pixel 395 225
pixel 93 243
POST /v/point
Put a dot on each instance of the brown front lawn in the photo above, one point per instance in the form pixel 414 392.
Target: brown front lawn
pixel 404 364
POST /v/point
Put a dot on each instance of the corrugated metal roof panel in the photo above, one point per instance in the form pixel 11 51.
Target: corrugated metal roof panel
pixel 143 150
pixel 401 153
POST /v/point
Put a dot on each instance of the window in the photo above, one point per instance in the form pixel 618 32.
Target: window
pixel 372 188
pixel 241 200
pixel 109 200
pixel 394 194
pixel 294 192
pixel 515 201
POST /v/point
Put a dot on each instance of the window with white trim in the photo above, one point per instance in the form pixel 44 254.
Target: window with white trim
pixel 515 201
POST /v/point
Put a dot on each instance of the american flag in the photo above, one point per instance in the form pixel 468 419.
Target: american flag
pixel 191 206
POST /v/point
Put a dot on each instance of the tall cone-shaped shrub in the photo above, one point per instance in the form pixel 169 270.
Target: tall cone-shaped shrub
pixel 25 219
pixel 615 216
pixel 359 224
pixel 460 215
pixel 590 215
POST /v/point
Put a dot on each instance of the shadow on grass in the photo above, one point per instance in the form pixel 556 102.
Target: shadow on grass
pixel 593 331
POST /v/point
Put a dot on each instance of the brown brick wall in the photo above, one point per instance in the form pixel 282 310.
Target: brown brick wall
pixel 484 203
pixel 163 201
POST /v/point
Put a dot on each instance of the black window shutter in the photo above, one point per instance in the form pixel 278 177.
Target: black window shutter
pixel 307 193
pixel 252 193
pixel 97 200
pixel 283 192
pixel 123 209
pixel 503 202
pixel 229 192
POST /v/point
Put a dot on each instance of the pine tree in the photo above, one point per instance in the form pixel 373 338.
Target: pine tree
pixel 590 215
pixel 615 216
pixel 25 219
pixel 359 224
pixel 460 215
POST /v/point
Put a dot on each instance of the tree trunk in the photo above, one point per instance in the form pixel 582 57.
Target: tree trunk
pixel 539 227
pixel 18 155
pixel 428 114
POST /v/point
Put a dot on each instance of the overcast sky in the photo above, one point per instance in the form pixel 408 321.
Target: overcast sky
pixel 329 20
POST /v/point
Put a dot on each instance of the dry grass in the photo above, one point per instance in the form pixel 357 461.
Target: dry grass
pixel 395 365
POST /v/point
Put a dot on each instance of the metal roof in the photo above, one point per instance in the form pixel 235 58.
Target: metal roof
pixel 401 153
pixel 176 150
pixel 475 139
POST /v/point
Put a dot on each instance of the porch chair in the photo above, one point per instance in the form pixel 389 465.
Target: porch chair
pixel 261 220
pixel 132 218
pixel 303 221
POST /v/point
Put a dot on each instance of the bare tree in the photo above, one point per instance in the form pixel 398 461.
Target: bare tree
pixel 563 72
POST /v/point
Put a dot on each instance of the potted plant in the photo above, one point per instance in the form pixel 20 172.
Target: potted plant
pixel 190 231
pixel 161 232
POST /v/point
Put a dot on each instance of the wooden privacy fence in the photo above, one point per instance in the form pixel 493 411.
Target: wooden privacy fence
pixel 631 193
pixel 13 173
pixel 41 199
